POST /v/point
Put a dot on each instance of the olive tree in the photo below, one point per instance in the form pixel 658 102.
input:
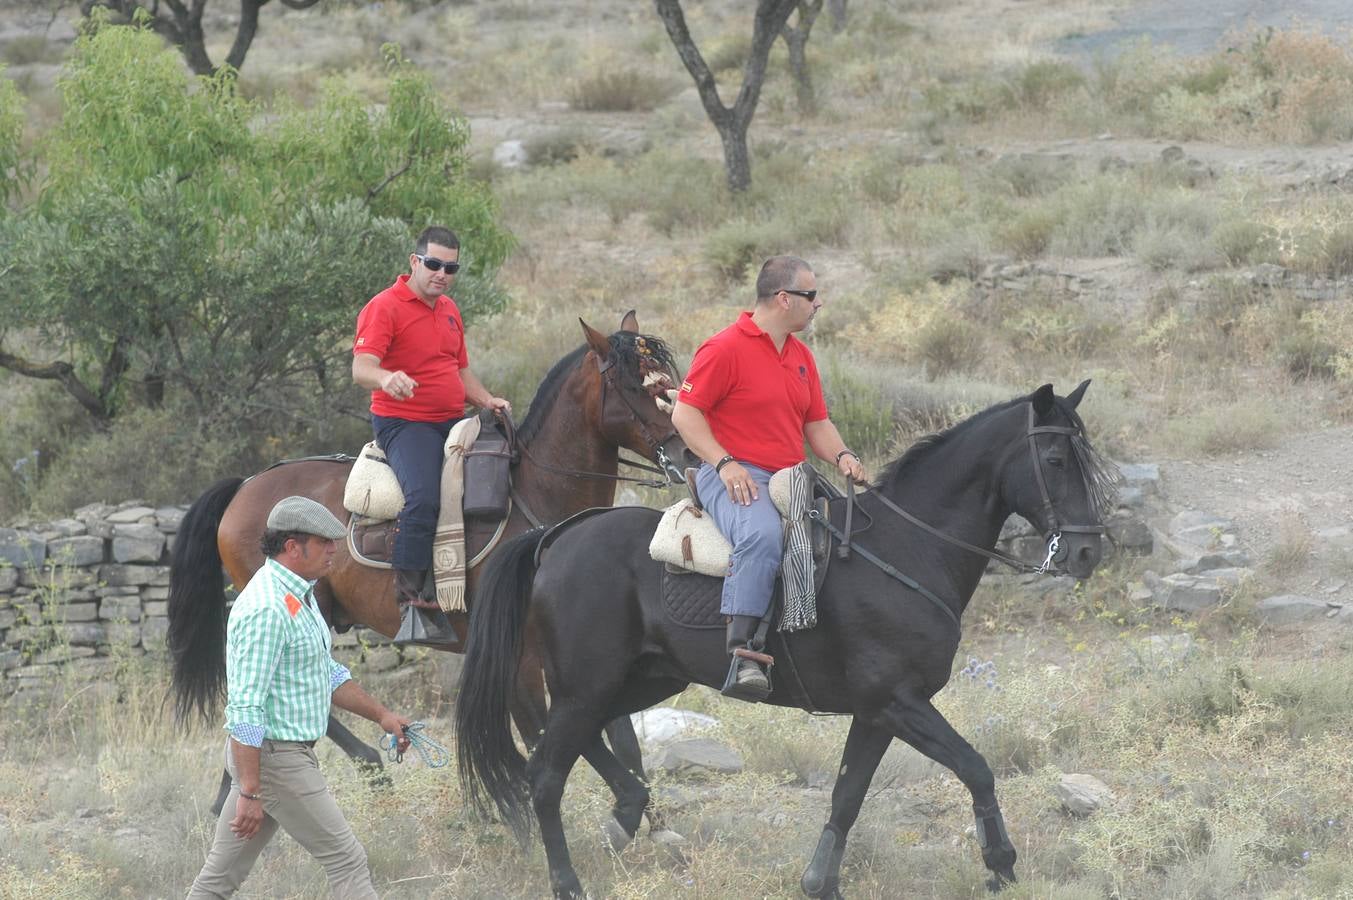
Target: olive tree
pixel 732 122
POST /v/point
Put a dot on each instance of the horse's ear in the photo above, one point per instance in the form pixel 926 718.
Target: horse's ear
pixel 1073 399
pixel 596 340
pixel 630 322
pixel 1043 400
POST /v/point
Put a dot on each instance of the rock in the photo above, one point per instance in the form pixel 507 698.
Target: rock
pixel 663 725
pixel 1211 562
pixel 62 655
pixel 1131 496
pixel 1142 475
pixel 118 575
pixel 75 612
pixel 1339 537
pixel 700 754
pixel 10 659
pixel 123 634
pixel 381 659
pixel 1200 529
pixel 1082 795
pixel 1186 592
pixel 120 609
pixel 155 593
pixel 7 618
pixel 91 812
pixel 153 631
pixel 137 543
pixel 168 518
pixel 130 515
pixel 1172 154
pixel 158 608
pixel 511 155
pixel 1165 651
pixel 82 633
pixel 9 578
pixel 93 511
pixel 1288 609
pixel 64 528
pixel 22 548
pixel 1132 536
pixel 84 550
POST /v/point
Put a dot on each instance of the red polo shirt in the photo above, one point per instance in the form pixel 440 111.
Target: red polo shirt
pixel 427 344
pixel 755 398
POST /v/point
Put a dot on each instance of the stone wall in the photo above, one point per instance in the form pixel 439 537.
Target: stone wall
pixel 77 590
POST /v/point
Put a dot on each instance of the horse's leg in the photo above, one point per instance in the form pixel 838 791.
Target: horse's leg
pixel 367 758
pixel 222 793
pixel 631 793
pixel 922 726
pixel 572 729
pixel 865 746
pixel 625 745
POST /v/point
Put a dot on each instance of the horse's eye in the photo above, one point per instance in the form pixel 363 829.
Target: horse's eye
pixel 1057 462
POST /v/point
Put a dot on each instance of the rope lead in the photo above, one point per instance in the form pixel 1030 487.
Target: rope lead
pixel 433 754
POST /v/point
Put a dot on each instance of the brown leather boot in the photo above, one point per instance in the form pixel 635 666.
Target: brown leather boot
pixel 421 621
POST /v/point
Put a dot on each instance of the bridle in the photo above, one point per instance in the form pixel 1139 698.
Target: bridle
pixel 664 467
pixel 1052 534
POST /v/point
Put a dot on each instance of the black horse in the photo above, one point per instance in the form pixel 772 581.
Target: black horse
pixel 880 651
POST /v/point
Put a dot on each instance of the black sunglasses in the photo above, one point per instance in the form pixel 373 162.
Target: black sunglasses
pixel 436 265
pixel 811 295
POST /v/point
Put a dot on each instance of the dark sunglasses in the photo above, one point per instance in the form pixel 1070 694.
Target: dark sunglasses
pixel 436 265
pixel 811 295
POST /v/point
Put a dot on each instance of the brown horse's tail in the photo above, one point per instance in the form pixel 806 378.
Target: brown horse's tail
pixel 197 605
pixel 491 767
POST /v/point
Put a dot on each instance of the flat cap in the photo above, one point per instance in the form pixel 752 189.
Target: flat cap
pixel 306 516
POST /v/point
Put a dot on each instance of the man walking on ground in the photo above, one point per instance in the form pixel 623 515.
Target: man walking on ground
pixel 410 352
pixel 750 400
pixel 280 681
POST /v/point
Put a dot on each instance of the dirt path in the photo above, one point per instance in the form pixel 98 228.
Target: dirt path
pixel 1302 487
pixel 1196 27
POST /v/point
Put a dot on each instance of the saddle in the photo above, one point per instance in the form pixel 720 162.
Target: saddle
pixel 373 496
pixel 695 553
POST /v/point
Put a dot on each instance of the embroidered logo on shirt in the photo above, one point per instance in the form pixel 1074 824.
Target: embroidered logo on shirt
pixel 803 373
pixel 293 605
pixel 686 386
pixel 452 321
pixel 361 341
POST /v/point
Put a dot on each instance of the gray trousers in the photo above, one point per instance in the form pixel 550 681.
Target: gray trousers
pixel 757 536
pixel 295 797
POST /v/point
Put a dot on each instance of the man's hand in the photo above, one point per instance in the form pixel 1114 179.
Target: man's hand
pixel 393 723
pixel 851 467
pixel 248 818
pixel 497 404
pixel 398 385
pixel 739 484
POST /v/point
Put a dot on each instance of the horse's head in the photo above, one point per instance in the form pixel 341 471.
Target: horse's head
pixel 1059 482
pixel 636 390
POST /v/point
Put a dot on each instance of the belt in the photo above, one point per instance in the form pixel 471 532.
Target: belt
pixel 297 743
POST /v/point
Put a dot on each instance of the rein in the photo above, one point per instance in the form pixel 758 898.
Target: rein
pixel 1053 534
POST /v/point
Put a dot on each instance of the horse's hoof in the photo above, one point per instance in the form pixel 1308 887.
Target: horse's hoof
pixel 667 837
pixel 999 880
pixel 614 836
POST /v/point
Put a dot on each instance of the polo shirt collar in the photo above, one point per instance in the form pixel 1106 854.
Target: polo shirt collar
pixel 289 579
pixel 747 326
pixel 402 291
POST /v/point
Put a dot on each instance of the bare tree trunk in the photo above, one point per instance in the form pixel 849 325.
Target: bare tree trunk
pixel 731 122
pixel 796 39
pixel 837 8
pixel 64 373
pixel 182 26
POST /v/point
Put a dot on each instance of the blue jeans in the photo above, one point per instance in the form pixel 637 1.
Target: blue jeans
pixel 414 450
pixel 757 536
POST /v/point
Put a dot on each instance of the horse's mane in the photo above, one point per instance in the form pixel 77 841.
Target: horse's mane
pixel 627 354
pixel 1101 475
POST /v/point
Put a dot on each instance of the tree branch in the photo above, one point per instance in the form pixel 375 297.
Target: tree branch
pixel 63 372
pixel 371 194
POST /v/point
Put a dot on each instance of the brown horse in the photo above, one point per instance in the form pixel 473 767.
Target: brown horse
pixel 601 397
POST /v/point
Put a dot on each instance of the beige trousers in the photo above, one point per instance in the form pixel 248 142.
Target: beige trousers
pixel 295 797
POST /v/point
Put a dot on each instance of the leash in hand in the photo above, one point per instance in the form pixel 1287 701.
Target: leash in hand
pixel 433 754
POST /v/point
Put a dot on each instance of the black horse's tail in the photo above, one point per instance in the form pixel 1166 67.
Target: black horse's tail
pixel 490 763
pixel 197 607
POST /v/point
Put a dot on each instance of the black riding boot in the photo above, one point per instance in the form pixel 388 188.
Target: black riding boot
pixel 421 621
pixel 746 680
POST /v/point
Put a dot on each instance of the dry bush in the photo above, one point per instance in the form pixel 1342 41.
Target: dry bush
pixel 1250 424
pixel 616 88
pixel 1293 548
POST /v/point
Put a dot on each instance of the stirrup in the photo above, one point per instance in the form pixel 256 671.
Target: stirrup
pixel 429 628
pixel 749 691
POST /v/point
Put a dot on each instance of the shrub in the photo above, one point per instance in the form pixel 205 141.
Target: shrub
pixel 1243 240
pixel 1030 233
pixel 735 246
pixel 29 48
pixel 1244 425
pixel 1037 84
pixel 948 343
pixel 1293 547
pixel 1306 353
pixel 620 90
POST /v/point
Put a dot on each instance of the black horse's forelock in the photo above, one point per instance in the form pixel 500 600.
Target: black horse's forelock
pixel 625 353
pixel 1101 475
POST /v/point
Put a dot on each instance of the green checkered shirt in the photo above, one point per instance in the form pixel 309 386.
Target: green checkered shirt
pixel 279 671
